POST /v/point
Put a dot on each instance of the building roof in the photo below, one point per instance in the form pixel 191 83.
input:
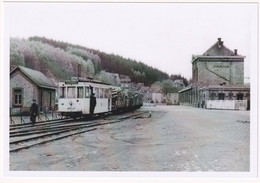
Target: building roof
pixel 219 50
pixel 185 89
pixel 36 76
pixel 122 76
pixel 217 87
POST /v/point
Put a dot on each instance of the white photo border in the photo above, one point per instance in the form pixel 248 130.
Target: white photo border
pixel 56 176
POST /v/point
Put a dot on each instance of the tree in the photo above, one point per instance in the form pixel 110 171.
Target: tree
pixel 16 56
pixel 108 78
pixel 90 68
pixel 168 87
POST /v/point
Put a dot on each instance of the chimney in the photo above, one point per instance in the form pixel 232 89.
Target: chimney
pixel 235 50
pixel 79 70
pixel 220 43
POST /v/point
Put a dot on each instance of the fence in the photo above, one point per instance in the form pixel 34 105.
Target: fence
pixel 227 104
pixel 22 115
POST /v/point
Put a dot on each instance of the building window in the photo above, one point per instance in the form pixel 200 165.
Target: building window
pixel 212 96
pixel 240 96
pixel 221 96
pixel 18 97
pixel 230 96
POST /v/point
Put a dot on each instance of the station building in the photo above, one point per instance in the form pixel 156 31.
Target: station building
pixel 217 80
pixel 28 84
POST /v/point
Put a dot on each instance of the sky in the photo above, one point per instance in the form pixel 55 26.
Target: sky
pixel 161 35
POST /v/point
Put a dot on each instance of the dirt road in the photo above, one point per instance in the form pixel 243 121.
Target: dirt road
pixel 175 138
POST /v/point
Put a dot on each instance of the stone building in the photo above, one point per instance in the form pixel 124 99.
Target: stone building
pixel 218 80
pixel 27 84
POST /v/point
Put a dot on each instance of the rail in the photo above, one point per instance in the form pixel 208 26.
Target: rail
pixel 30 136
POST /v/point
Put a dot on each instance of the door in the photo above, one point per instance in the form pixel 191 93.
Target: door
pixel 50 103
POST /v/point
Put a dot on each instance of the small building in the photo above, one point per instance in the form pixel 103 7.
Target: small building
pixel 27 84
pixel 158 98
pixel 173 98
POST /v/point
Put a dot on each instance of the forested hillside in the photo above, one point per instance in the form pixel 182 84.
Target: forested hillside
pixel 59 60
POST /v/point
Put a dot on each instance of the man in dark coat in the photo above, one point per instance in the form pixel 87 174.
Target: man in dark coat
pixel 33 112
pixel 93 103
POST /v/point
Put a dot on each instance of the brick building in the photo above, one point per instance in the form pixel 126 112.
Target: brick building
pixel 218 80
pixel 27 84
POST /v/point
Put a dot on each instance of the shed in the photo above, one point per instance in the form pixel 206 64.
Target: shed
pixel 27 84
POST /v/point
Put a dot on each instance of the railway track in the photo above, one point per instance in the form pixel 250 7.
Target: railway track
pixel 24 137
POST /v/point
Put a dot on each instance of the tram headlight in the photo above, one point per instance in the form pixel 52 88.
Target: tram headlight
pixel 70 102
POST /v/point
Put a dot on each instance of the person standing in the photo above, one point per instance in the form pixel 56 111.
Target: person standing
pixel 33 112
pixel 93 103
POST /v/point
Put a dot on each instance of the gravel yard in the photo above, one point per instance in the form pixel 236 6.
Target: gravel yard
pixel 175 138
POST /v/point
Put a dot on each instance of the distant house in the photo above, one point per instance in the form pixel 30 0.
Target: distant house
pixel 27 84
pixel 125 81
pixel 173 98
pixel 157 98
pixel 179 83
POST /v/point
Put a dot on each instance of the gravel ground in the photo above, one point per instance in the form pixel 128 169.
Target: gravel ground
pixel 175 138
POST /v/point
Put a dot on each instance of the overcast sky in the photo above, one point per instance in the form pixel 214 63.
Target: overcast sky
pixel 162 35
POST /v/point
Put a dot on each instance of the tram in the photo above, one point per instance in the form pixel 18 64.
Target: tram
pixel 74 98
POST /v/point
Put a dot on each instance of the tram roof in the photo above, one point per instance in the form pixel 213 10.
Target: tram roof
pixel 75 80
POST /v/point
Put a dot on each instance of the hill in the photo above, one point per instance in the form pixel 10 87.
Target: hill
pixel 59 60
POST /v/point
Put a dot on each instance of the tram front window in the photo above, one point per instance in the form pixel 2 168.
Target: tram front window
pixel 62 92
pixel 101 94
pixel 96 91
pixel 71 92
pixel 87 92
pixel 80 92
